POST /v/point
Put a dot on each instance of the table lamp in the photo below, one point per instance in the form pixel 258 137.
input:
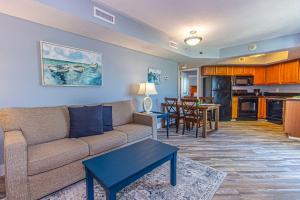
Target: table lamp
pixel 147 89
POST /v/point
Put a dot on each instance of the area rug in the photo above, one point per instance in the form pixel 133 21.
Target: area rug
pixel 195 181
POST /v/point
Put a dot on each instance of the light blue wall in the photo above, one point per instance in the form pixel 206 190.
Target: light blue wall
pixel 20 74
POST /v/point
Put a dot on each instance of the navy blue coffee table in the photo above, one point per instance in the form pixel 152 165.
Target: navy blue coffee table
pixel 117 169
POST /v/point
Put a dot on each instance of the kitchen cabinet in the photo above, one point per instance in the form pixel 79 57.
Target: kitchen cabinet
pixel 292 118
pixel 249 71
pixel 234 106
pixel 273 74
pixel 260 76
pixel 282 73
pixel 221 70
pixel 208 71
pixel 289 72
pixel 237 70
pixel 262 108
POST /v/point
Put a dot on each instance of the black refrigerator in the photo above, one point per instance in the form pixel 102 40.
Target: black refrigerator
pixel 220 87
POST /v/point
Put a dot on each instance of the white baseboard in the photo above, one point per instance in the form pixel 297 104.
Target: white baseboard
pixel 2 170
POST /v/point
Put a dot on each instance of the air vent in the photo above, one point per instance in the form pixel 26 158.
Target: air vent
pixel 104 15
pixel 173 45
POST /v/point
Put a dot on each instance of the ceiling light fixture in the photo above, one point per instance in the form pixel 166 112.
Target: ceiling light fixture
pixel 257 55
pixel 193 39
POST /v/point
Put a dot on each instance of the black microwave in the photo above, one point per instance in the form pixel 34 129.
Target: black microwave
pixel 243 81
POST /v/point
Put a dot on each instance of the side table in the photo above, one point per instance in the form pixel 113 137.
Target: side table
pixel 161 115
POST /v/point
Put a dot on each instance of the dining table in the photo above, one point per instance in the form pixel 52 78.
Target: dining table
pixel 205 108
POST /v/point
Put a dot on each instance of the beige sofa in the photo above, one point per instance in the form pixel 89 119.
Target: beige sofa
pixel 40 158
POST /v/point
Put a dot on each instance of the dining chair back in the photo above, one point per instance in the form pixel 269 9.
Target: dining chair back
pixel 192 115
pixel 171 105
pixel 173 108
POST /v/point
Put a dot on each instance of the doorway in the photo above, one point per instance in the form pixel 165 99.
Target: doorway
pixel 189 83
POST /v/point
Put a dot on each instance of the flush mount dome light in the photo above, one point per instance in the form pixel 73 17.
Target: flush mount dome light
pixel 193 39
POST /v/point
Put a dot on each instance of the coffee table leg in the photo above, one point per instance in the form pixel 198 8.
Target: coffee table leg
pixel 89 186
pixel 173 169
pixel 110 195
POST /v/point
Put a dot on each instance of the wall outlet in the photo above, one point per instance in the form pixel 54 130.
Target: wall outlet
pixel 277 90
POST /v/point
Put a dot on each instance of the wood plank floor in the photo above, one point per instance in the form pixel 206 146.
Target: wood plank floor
pixel 260 161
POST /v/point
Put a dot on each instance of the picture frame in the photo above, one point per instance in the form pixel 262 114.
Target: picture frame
pixel 69 66
pixel 154 76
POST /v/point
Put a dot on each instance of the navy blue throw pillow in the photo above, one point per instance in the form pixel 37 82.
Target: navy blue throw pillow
pixel 107 118
pixel 85 121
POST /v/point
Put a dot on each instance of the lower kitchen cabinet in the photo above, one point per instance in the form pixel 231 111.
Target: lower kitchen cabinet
pixel 235 103
pixel 292 118
pixel 262 108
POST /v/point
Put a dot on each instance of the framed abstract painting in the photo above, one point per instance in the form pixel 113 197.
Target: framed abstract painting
pixel 68 66
pixel 154 76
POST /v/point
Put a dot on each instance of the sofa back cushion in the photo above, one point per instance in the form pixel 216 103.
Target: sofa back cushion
pixel 122 112
pixel 38 125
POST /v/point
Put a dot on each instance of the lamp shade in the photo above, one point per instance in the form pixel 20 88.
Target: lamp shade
pixel 147 89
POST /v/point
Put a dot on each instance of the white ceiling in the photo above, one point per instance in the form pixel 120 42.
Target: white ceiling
pixel 222 23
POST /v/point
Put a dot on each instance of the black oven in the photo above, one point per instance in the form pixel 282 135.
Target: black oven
pixel 248 107
pixel 274 110
pixel 243 80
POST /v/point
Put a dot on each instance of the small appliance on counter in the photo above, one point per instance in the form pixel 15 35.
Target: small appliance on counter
pixel 257 92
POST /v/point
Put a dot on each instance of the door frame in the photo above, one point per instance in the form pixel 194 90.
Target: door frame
pixel 197 69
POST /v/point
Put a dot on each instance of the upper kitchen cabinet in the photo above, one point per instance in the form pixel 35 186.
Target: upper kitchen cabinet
pixel 289 72
pixel 249 70
pixel 208 71
pixel 273 74
pixel 221 71
pixel 260 76
pixel 237 70
pixel 282 73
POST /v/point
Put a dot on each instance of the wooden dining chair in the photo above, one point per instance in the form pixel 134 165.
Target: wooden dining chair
pixel 172 107
pixel 192 115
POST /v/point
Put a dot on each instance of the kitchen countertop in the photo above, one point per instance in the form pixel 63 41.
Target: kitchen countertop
pixel 292 99
pixel 275 98
pixel 267 97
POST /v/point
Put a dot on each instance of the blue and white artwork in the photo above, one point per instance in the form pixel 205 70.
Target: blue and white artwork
pixel 67 66
pixel 154 76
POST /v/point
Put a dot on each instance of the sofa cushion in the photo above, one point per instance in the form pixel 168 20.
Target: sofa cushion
pixel 135 131
pixel 85 121
pixel 51 155
pixel 107 118
pixel 122 112
pixel 39 125
pixel 101 143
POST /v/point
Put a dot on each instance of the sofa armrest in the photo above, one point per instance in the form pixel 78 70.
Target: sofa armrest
pixel 148 120
pixel 15 160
